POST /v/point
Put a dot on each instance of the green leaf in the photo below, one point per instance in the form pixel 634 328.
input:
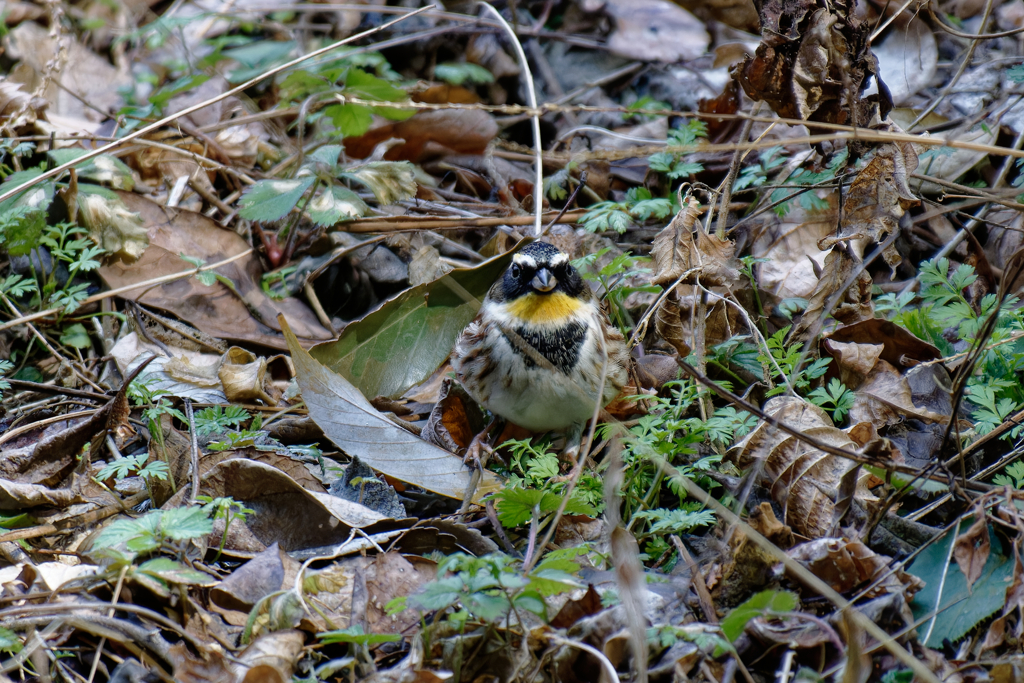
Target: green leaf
pixel 553 582
pixel 21 228
pixel 354 634
pixel 458 73
pixel 361 84
pixel 401 344
pixel 9 641
pixel 76 336
pixel 270 200
pixel 170 571
pixel 959 609
pixel 185 523
pixel 515 505
pixel 328 155
pixel 765 601
pixel 351 119
pixel 335 203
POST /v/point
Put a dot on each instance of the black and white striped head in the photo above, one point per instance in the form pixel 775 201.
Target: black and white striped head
pixel 543 270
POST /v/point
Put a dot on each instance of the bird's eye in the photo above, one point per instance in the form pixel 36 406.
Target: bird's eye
pixel 516 270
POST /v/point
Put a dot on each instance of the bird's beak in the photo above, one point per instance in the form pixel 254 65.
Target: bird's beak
pixel 544 281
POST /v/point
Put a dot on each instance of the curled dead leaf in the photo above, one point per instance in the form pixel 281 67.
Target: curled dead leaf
pixel 683 250
pixel 803 480
pixel 878 198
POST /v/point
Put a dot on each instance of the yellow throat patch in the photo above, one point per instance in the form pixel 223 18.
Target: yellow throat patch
pixel 544 308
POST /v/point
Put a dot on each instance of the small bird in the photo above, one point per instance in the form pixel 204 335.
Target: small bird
pixel 541 353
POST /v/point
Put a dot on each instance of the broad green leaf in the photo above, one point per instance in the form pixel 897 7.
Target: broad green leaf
pixel 328 155
pixel 533 601
pixel 76 336
pixel 765 601
pixel 23 216
pixel 270 200
pixel 350 119
pixel 186 522
pixel 171 571
pixel 401 344
pixel 553 582
pixel 358 83
pixel 118 532
pixel 356 427
pixel 959 609
pixel 335 203
pixel 459 73
pixel 9 641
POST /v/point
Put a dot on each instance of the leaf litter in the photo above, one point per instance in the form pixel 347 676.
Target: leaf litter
pixel 228 422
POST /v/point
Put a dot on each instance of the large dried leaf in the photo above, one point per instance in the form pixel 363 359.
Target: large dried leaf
pixel 907 59
pixel 846 564
pixel 803 480
pixel 883 395
pixel 404 341
pixel 683 246
pixel 790 247
pixel 813 63
pixel 655 30
pixel 213 309
pixel 429 133
pixel 877 199
pixel 359 429
pixel 971 548
pixel 286 513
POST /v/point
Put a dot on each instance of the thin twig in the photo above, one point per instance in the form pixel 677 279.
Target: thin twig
pixel 531 96
pixel 193 450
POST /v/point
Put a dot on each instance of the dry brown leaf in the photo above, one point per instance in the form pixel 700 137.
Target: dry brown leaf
pixel 846 564
pixel 286 513
pixel 355 426
pixel 907 59
pixel 429 134
pixel 899 347
pixel 803 480
pixel 972 547
pixel 878 197
pixel 270 658
pixel 790 245
pixel 213 309
pixel 454 420
pixel 86 77
pixel 391 575
pixel 683 246
pixel 812 63
pixel 883 395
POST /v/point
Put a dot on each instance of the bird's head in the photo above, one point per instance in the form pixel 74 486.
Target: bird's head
pixel 542 286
